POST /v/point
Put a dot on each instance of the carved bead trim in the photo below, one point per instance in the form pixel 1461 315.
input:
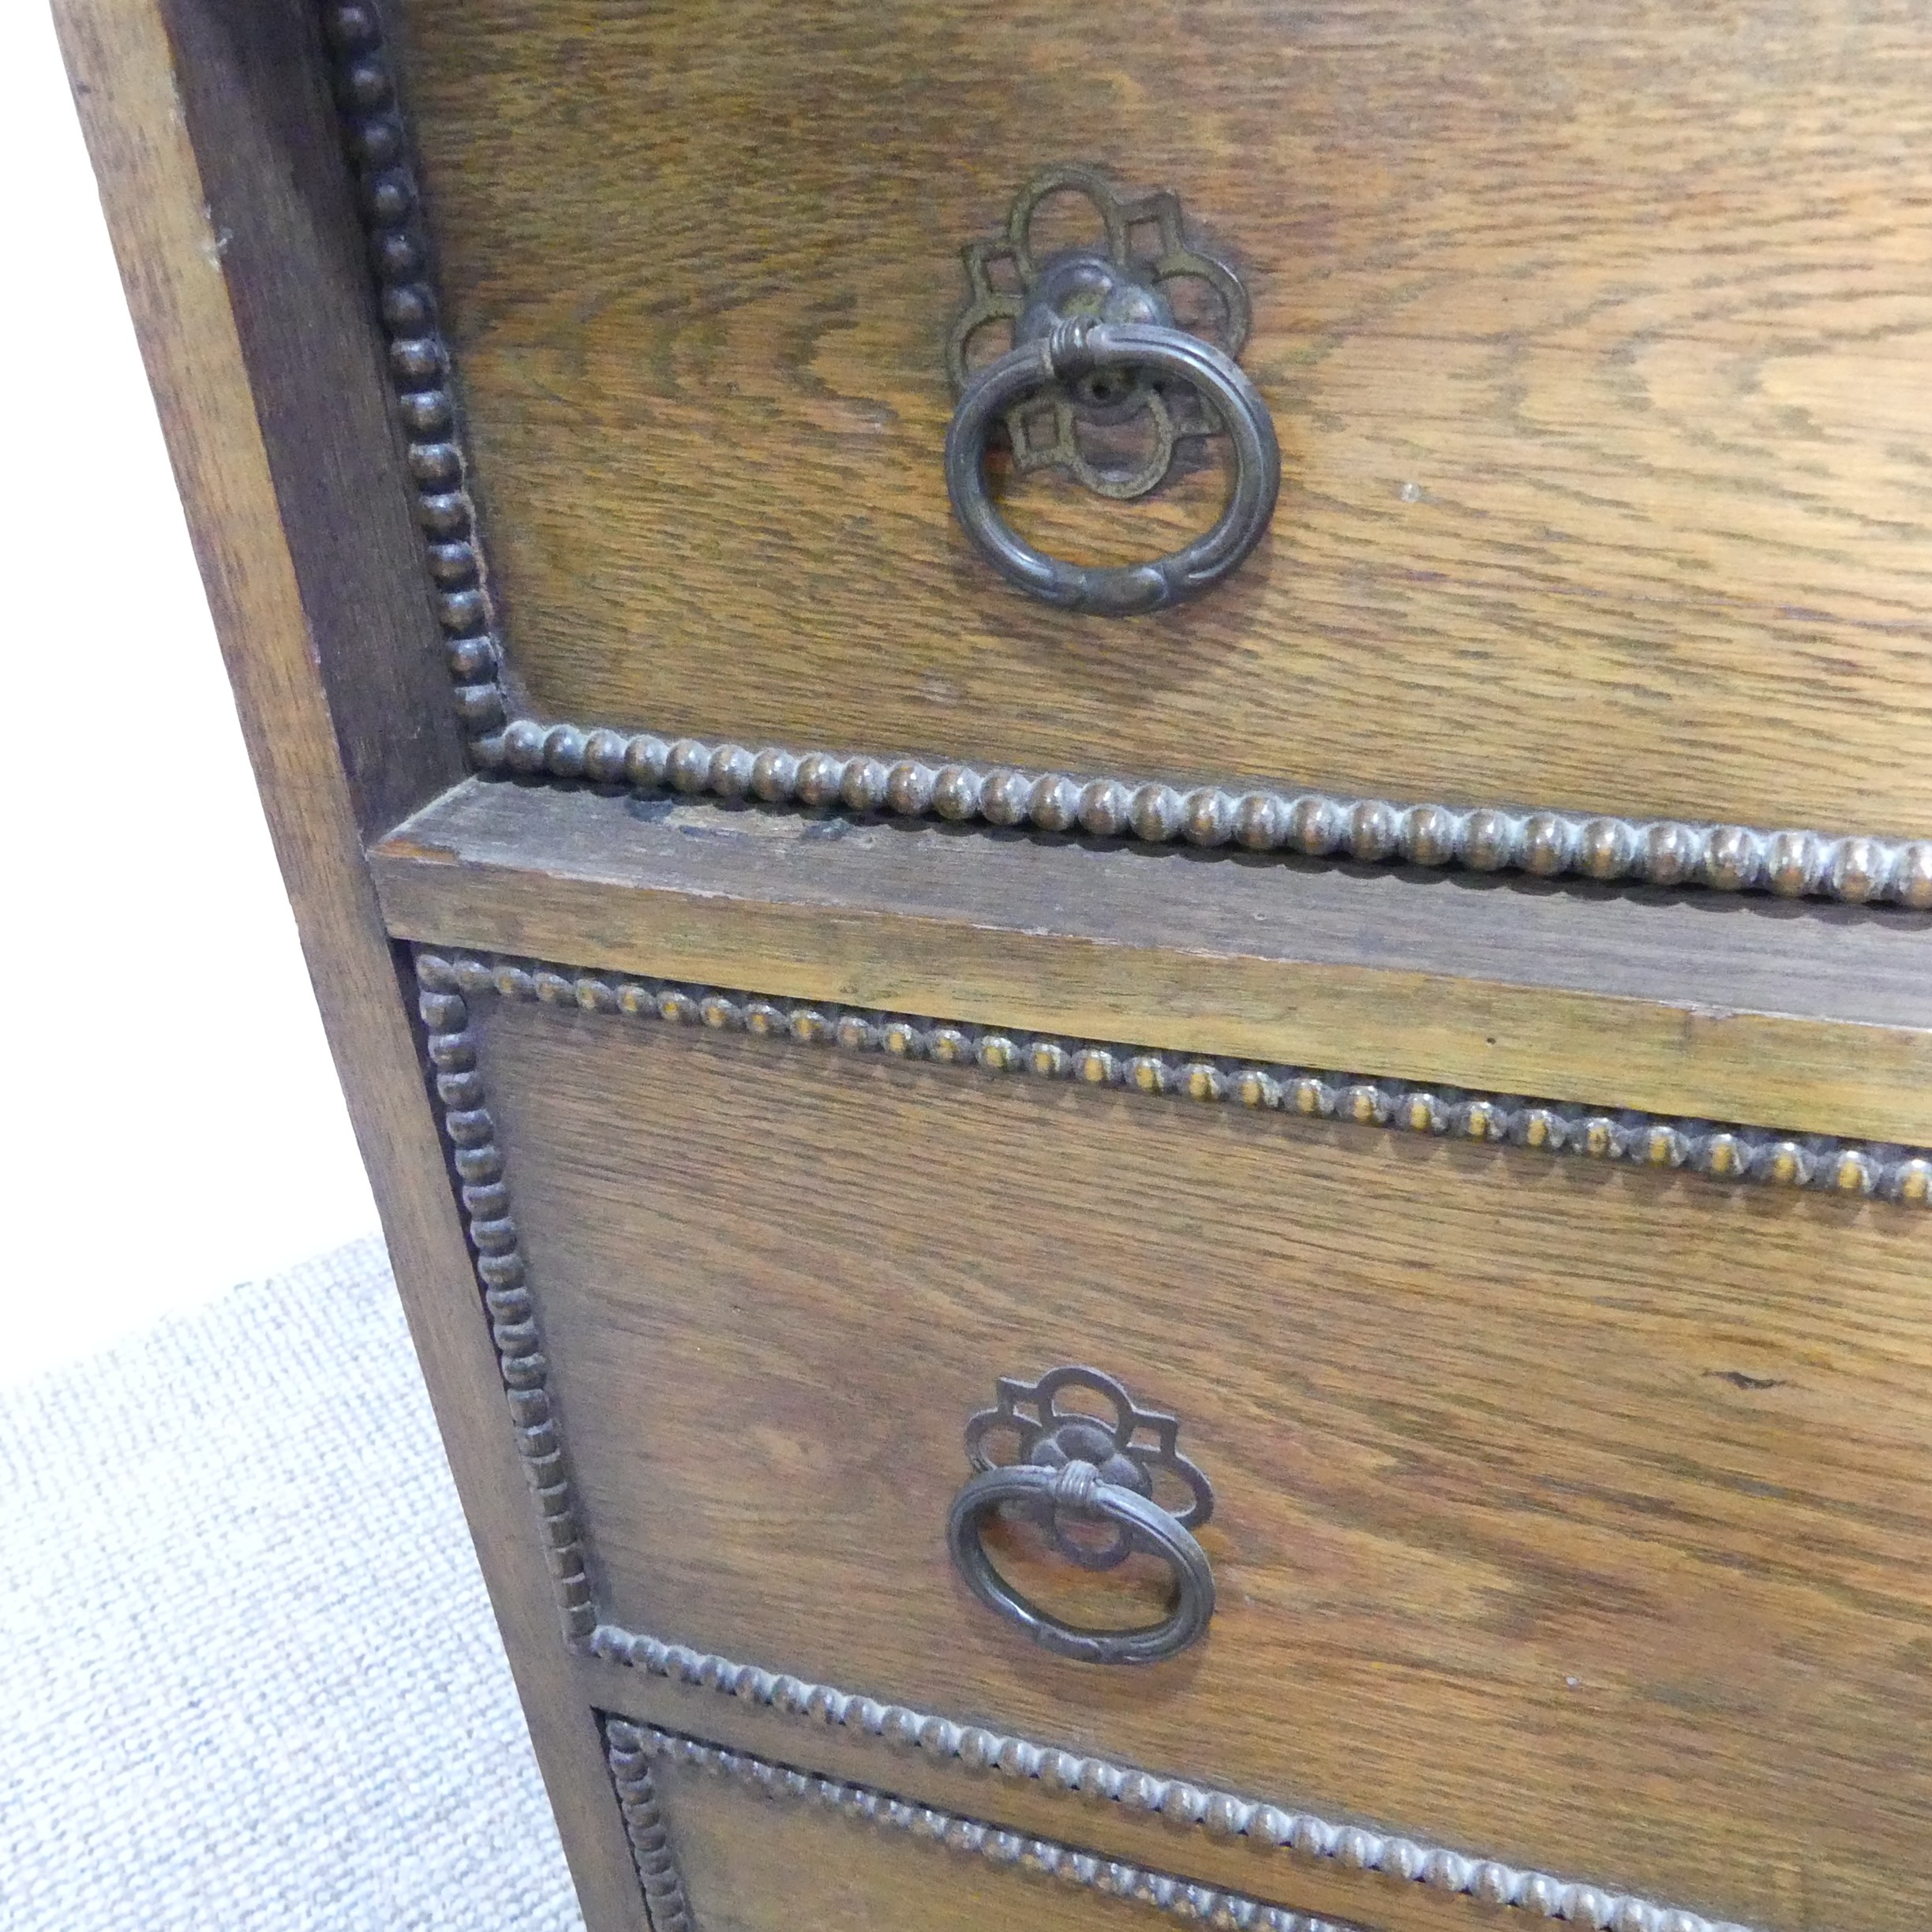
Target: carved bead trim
pixel 1856 868
pixel 418 357
pixel 630 1758
pixel 478 1163
pixel 1761 1155
pixel 633 1749
pixel 1796 864
pixel 1221 1815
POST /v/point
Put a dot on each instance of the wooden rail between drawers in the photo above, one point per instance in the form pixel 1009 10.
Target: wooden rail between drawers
pixel 1803 1016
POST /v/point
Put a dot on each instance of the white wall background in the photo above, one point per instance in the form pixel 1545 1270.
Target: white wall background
pixel 172 1122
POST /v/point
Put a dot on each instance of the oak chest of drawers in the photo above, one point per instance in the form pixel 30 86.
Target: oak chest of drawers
pixel 1116 832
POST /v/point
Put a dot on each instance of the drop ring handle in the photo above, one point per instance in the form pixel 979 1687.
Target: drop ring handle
pixel 1075 348
pixel 1077 1487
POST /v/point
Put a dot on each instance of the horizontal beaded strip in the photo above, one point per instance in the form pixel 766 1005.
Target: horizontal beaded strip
pixel 1724 1153
pixel 1219 1814
pixel 1796 864
pixel 633 1749
pixel 1856 868
pixel 479 1164
pixel 630 1760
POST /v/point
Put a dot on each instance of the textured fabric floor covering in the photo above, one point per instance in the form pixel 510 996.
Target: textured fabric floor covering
pixel 248 1673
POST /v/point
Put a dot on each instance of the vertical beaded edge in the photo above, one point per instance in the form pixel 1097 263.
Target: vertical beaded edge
pixel 630 1760
pixel 478 1163
pixel 377 148
pixel 1853 868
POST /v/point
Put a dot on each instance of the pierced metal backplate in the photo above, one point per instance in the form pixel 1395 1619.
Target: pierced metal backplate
pixel 1132 1447
pixel 1144 249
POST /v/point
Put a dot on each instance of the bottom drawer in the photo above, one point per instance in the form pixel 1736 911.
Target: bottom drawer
pixel 725 1841
pixel 1573 1523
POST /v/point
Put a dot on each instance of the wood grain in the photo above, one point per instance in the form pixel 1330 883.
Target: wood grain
pixel 1581 1520
pixel 224 202
pixel 1792 1015
pixel 1594 340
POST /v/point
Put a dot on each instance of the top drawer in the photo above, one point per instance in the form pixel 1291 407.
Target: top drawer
pixel 1590 339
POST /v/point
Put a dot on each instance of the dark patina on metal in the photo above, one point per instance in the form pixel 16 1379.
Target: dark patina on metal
pixel 1096 344
pixel 1087 1480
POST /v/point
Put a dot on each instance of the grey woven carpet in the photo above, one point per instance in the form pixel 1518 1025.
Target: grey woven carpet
pixel 248 1674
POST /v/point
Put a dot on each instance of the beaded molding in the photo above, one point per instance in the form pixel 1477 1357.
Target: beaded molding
pixel 666 1905
pixel 1728 1153
pixel 1856 868
pixel 447 987
pixel 633 1749
pixel 1220 1814
pixel 478 1163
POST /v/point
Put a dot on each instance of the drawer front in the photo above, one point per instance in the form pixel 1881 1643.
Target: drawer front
pixel 1568 1513
pixel 727 1839
pixel 1586 339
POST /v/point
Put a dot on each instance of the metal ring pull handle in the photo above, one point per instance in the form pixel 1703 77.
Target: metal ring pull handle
pixel 1076 349
pixel 1095 344
pixel 1086 1482
pixel 1078 1485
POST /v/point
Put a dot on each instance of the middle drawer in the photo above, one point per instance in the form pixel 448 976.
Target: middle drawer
pixel 1571 1514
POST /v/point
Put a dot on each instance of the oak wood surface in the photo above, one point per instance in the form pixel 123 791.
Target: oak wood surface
pixel 226 206
pixel 1595 338
pixel 1577 1519
pixel 1793 1015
